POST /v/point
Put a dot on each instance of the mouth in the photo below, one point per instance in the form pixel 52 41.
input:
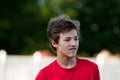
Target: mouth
pixel 73 49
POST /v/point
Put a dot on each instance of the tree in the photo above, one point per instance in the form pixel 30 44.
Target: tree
pixel 23 24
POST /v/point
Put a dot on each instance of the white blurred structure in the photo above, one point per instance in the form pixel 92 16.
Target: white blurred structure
pixel 102 57
pixel 109 65
pixel 37 57
pixel 27 67
pixel 3 55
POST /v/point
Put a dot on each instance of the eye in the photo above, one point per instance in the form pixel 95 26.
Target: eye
pixel 67 40
pixel 76 38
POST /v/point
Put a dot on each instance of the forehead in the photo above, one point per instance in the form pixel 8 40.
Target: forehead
pixel 70 33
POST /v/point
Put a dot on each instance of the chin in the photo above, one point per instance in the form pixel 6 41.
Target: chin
pixel 71 56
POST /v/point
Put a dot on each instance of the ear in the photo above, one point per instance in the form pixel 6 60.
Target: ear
pixel 54 43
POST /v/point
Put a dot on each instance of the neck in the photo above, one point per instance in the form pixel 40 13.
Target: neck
pixel 66 62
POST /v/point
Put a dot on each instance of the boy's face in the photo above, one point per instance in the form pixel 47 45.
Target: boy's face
pixel 68 44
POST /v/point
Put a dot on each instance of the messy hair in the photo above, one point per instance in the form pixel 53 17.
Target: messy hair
pixel 60 24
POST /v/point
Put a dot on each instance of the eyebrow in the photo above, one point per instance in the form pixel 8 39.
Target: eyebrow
pixel 74 37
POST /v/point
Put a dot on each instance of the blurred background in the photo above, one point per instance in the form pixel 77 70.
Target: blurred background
pixel 23 26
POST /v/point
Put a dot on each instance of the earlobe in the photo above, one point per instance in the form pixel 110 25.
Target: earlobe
pixel 54 44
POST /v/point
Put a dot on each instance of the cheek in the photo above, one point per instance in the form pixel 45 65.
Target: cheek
pixel 64 45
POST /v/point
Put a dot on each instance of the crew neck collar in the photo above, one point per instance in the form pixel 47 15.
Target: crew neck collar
pixel 65 69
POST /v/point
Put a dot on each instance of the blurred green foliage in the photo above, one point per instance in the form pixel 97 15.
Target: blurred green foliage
pixel 23 24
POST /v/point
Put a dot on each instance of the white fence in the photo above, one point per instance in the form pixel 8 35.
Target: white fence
pixel 25 68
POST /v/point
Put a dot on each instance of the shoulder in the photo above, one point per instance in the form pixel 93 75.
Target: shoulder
pixel 90 67
pixel 43 72
pixel 86 62
pixel 87 65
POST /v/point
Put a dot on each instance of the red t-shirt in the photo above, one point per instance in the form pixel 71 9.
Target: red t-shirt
pixel 84 70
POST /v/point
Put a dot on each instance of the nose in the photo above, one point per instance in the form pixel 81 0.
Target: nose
pixel 73 43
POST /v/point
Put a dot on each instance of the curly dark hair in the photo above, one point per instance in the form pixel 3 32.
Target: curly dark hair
pixel 60 24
